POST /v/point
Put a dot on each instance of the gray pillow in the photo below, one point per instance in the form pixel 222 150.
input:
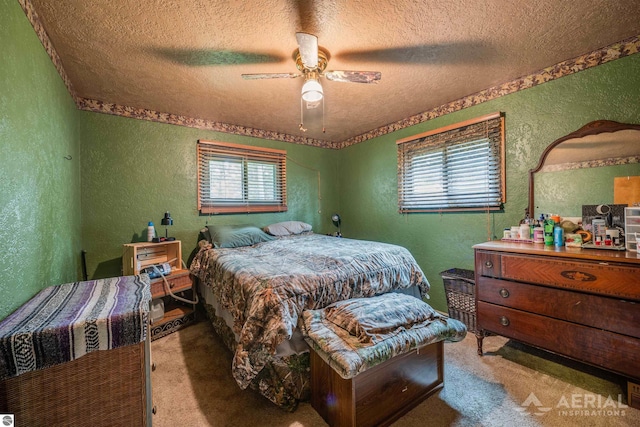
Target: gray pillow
pixel 287 227
pixel 235 236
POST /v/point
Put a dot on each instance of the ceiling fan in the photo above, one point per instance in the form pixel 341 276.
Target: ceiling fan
pixel 312 61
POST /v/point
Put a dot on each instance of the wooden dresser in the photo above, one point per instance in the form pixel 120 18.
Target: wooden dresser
pixel 580 303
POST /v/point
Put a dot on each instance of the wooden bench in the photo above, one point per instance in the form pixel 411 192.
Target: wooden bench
pixel 380 395
pixel 375 359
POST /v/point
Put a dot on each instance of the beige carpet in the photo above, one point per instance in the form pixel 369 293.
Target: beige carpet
pixel 192 386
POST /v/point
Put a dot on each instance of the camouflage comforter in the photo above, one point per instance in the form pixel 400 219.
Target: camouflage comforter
pixel 355 335
pixel 267 286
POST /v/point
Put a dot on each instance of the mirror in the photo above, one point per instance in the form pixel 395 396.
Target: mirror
pixel 579 168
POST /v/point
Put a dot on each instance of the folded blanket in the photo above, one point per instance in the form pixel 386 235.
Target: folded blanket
pixel 372 320
pixel 348 355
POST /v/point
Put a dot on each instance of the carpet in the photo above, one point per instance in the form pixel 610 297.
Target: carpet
pixel 511 385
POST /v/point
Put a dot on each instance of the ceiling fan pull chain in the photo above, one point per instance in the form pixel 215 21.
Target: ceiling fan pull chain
pixel 323 115
pixel 302 128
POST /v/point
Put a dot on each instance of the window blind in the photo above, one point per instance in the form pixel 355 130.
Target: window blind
pixel 460 167
pixel 239 178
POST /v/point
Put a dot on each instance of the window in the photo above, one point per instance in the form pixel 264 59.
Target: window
pixel 239 178
pixel 458 167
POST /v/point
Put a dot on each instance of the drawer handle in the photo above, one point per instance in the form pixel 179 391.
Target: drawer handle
pixel 405 389
pixel 504 321
pixel 171 285
pixel 504 293
pixel 488 264
pixel 154 410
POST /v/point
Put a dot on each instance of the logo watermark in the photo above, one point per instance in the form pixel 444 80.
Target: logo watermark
pixel 7 420
pixel 576 405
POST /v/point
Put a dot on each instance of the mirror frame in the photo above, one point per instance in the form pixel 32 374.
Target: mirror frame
pixel 592 128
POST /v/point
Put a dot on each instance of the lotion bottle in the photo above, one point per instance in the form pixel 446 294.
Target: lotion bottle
pixel 151 232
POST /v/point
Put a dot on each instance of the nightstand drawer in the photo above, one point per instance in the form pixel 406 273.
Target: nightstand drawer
pixel 178 282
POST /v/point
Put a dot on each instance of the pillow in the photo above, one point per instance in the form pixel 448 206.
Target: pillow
pixel 235 236
pixel 287 227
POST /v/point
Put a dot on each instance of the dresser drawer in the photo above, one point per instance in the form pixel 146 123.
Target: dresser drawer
pixel 615 352
pixel 606 313
pixel 588 276
pixel 177 283
pixel 488 264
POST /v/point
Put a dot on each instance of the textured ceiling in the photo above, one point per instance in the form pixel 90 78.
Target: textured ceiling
pixel 186 57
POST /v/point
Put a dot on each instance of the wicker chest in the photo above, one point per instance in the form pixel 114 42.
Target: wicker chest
pixel 78 355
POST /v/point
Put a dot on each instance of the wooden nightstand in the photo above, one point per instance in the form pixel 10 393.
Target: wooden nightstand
pixel 177 314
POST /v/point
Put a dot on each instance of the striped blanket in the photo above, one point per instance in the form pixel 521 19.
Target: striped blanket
pixel 62 323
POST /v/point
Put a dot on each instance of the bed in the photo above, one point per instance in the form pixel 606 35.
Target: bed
pixel 256 288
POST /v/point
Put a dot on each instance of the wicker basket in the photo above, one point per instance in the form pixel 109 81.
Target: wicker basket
pixel 460 288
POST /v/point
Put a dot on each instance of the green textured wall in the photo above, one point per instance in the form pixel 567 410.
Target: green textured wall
pixel 534 118
pixel 39 189
pixel 133 171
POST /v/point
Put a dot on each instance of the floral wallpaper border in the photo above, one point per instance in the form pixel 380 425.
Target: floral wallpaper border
pixel 174 119
pixel 614 51
pixel 33 18
pixel 609 53
pixel 613 161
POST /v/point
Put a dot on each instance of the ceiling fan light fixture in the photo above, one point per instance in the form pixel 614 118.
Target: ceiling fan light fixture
pixel 312 90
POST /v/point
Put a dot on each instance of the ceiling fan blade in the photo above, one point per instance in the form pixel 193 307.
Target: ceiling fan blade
pixel 204 57
pixel 445 53
pixel 353 76
pixel 270 76
pixel 308 47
